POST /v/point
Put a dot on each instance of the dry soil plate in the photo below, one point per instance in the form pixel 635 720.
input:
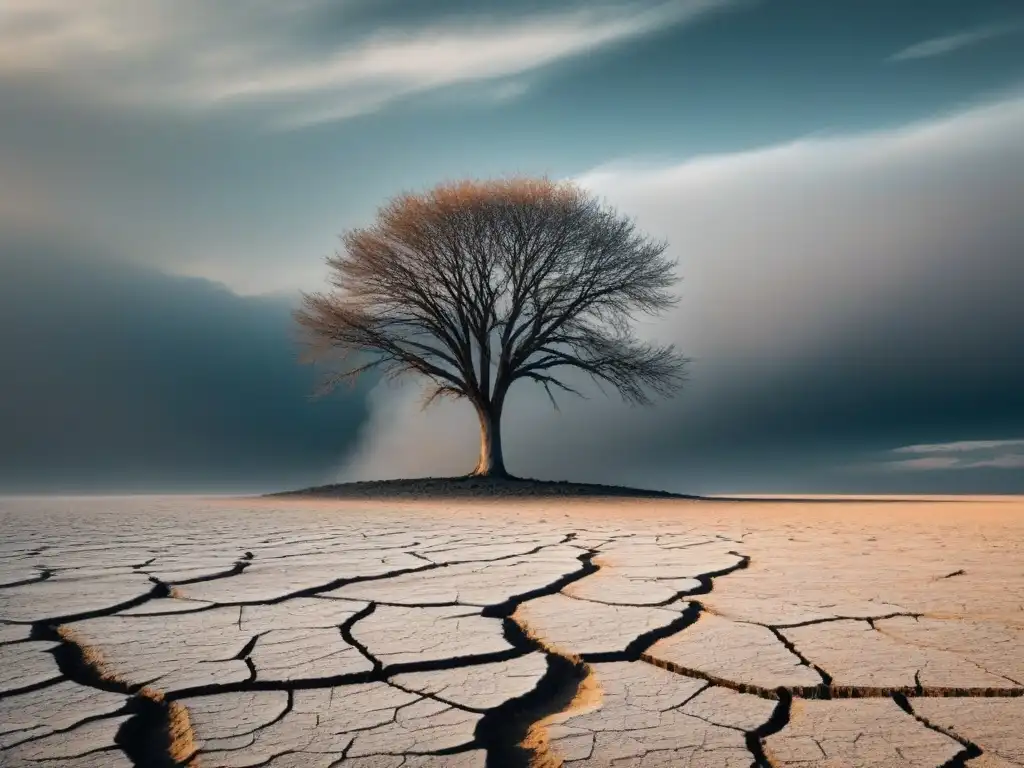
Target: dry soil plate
pixel 149 631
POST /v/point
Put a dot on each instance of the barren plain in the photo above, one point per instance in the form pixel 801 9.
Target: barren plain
pixel 294 633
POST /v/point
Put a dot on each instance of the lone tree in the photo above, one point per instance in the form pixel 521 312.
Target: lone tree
pixel 475 285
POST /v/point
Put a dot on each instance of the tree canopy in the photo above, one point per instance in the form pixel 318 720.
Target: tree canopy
pixel 475 285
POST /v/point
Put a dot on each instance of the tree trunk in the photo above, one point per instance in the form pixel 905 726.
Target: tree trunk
pixel 492 461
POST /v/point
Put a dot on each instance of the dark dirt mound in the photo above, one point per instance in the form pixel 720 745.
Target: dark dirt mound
pixel 475 488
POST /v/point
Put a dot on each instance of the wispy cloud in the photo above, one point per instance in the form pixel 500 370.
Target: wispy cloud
pixel 962 446
pixel 944 463
pixel 960 455
pixel 940 46
pixel 923 463
pixel 213 53
pixel 1007 461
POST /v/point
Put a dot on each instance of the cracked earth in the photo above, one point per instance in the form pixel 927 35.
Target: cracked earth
pixel 186 632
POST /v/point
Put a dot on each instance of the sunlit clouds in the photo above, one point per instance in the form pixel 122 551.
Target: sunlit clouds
pixel 202 55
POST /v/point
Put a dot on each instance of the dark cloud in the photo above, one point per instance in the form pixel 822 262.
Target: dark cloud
pixel 120 378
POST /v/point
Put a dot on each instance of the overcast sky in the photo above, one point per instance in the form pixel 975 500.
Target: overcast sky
pixel 842 183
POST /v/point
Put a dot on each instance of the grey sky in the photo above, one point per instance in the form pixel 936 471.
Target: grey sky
pixel 840 181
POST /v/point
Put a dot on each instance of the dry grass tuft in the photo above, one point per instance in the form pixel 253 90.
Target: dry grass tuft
pixel 89 657
pixel 153 694
pixel 181 738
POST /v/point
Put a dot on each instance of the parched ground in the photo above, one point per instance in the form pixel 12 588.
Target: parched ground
pixel 297 633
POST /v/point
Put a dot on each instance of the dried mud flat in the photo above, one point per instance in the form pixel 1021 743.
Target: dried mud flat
pixel 628 633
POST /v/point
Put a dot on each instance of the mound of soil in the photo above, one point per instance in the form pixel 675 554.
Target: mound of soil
pixel 470 487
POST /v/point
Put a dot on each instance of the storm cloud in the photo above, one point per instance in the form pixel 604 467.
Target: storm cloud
pixel 120 378
pixel 842 297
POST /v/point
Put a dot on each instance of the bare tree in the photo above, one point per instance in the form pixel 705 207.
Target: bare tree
pixel 475 285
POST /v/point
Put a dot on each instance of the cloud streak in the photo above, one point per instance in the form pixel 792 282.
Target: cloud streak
pixel 945 464
pixel 207 54
pixel 962 446
pixel 961 455
pixel 941 46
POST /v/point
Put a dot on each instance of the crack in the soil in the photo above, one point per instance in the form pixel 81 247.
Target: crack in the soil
pixel 332 585
pixel 351 678
pixel 391 604
pixel 238 567
pixel 344 754
pixel 44 574
pixel 31 688
pixel 348 637
pixel 830 619
pixel 248 647
pixel 640 644
pixel 535 550
pixel 79 663
pixel 506 608
pixel 826 678
pixel 755 739
pixel 42 629
pixel 959 760
pixel 694 544
pixel 436 697
pixel 513 734
pixel 10 742
pixel 706 580
pixel 930 647
pixel 833 691
pixel 157 734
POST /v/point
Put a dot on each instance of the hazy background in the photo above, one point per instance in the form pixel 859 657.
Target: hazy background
pixel 842 183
